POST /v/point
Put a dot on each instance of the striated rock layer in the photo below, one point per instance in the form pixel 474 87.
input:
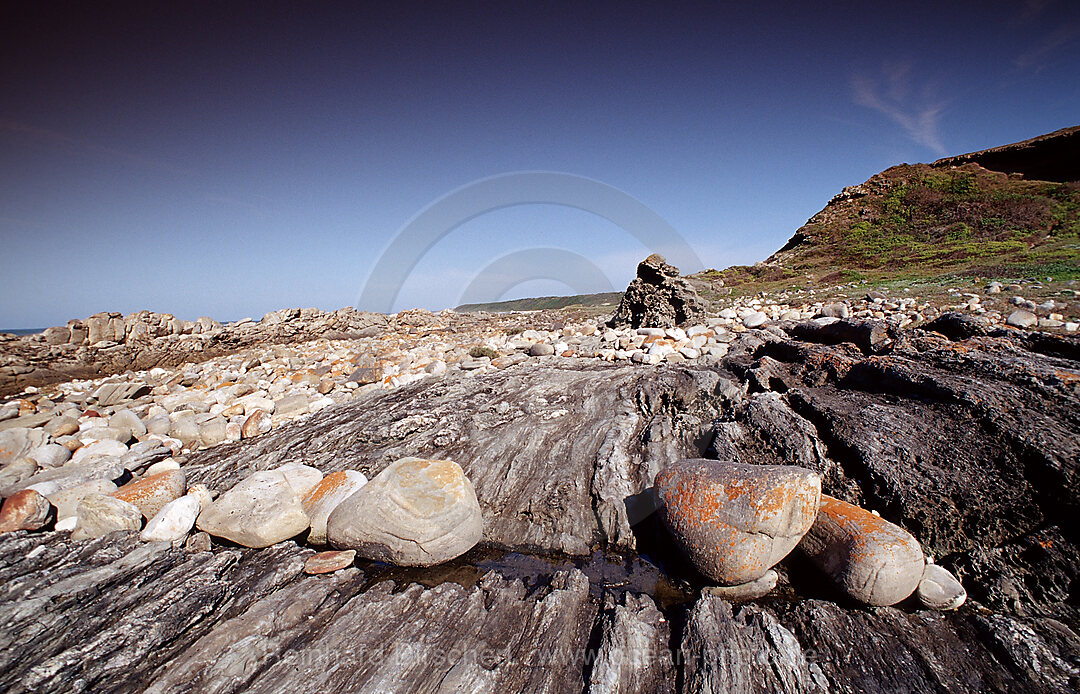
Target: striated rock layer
pixel 969 445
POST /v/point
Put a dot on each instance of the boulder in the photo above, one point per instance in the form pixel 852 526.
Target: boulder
pixel 414 513
pixel 17 442
pixel 259 511
pixel 321 501
pixel 25 510
pixel 152 492
pixel 67 500
pixel 658 298
pixel 99 515
pixel 869 558
pixel 736 521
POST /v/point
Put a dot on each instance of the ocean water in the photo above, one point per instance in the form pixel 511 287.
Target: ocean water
pixel 21 331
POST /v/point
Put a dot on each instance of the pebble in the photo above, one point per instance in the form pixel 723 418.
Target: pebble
pixel 1021 319
pixel 869 558
pixel 755 320
pixel 736 521
pixel 25 510
pixel 258 422
pixel 414 513
pixel 939 589
pixel 745 591
pixel 327 562
pixel 541 349
pixel 98 515
pixel 50 455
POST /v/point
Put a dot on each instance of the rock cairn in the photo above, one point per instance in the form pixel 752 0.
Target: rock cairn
pixel 658 298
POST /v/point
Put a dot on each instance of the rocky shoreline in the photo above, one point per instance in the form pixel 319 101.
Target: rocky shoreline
pixel 957 430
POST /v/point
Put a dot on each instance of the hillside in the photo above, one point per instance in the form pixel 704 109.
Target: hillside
pixel 955 217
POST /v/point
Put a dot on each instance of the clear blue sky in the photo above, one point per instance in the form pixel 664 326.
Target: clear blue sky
pixel 229 159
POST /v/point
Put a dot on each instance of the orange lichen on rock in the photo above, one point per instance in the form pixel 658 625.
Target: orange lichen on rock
pixel 736 521
pixel 151 493
pixel 873 560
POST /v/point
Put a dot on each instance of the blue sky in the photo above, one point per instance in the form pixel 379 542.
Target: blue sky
pixel 229 159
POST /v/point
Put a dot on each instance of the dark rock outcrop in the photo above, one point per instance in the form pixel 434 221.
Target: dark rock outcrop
pixel 658 298
pixel 1051 157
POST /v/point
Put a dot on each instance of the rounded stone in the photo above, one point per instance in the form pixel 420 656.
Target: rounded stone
pixel 414 513
pixel 67 500
pixel 25 510
pixel 100 515
pixel 541 349
pixel 258 422
pixel 939 589
pixel 745 591
pixel 173 522
pixel 327 562
pixel 259 511
pixel 736 521
pixel 321 501
pixel 872 560
pixel 1022 319
pixel 151 493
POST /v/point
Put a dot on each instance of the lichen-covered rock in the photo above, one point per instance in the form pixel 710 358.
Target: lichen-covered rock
pixel 261 510
pixel 869 558
pixel 414 513
pixel 736 521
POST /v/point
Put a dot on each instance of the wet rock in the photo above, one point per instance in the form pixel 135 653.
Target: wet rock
pixel 736 521
pixel 258 512
pixel 939 590
pixel 330 561
pixel 173 522
pixel 658 298
pixel 153 492
pixel 100 515
pixel 25 510
pixel 414 513
pixel 869 558
pixel 321 501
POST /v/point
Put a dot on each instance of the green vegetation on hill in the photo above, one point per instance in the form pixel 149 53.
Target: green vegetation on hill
pixel 919 222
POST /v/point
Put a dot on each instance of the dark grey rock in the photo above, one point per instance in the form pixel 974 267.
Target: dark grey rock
pixel 658 298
